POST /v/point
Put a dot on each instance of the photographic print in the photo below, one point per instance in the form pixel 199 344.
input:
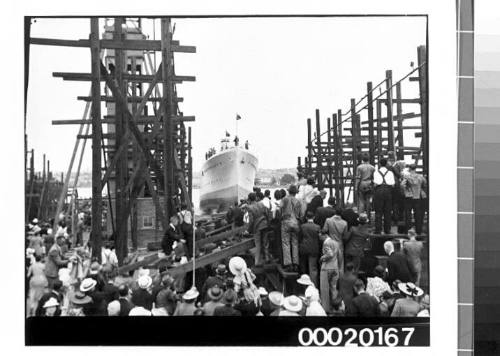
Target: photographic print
pixel 229 174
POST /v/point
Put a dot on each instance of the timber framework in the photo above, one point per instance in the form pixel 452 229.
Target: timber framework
pixel 142 147
pixel 375 124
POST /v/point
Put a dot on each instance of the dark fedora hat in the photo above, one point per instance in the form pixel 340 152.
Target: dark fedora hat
pixel 215 293
pixel 293 189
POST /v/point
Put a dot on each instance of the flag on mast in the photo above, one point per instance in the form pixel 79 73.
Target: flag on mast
pixel 238 117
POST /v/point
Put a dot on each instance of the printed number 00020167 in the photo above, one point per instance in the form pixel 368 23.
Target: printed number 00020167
pixel 352 337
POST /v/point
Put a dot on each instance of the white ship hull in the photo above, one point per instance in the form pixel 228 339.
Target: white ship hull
pixel 226 178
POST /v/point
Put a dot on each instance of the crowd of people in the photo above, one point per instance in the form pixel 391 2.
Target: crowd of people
pixel 325 246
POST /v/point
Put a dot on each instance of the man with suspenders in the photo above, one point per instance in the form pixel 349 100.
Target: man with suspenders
pixel 383 180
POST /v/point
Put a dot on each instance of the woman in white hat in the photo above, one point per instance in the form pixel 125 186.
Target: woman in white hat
pixel 292 305
pixel 79 301
pixel 50 307
pixel 314 307
pixel 188 306
pixel 407 307
pixel 243 276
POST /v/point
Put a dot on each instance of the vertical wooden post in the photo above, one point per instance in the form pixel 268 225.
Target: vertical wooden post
pixel 400 154
pixel 354 145
pixel 190 168
pixel 329 153
pixel 122 163
pixel 309 146
pixel 379 131
pixel 96 238
pixel 371 133
pixel 168 162
pixel 424 101
pixel 341 160
pixel 337 158
pixel 319 154
pixel 135 160
pixel 390 126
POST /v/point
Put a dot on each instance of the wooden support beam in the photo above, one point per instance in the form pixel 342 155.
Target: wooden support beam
pixel 138 78
pixel 371 131
pixel 110 119
pixel 389 103
pixel 355 144
pixel 423 88
pixel 111 99
pixel 121 169
pixel 329 152
pixel 399 111
pixel 309 144
pixel 319 176
pixel 379 130
pixel 96 233
pixel 402 101
pixel 339 149
pixel 135 45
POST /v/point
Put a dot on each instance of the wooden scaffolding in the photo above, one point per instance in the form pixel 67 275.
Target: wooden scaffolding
pixel 376 124
pixel 148 150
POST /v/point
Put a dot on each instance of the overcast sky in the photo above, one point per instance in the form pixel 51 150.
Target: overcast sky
pixel 274 72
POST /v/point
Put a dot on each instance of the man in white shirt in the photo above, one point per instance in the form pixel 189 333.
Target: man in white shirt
pixel 383 180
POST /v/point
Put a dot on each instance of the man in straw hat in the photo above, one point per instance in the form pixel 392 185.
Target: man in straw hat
pixel 98 305
pixel 291 213
pixel 407 307
pixel 142 295
pixel 276 302
pixel 188 306
pixel 292 306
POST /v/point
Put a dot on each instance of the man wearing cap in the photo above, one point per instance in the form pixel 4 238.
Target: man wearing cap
pixel 55 261
pixel 355 241
pixel 215 295
pixel 414 185
pixel 364 184
pixel 309 244
pixel 383 180
pixel 291 213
